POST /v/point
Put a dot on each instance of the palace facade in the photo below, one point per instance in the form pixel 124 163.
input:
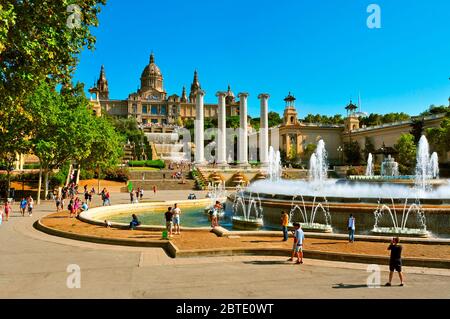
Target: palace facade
pixel 151 104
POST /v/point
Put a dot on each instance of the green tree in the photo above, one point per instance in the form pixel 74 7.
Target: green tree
pixel 352 152
pixel 37 44
pixel 369 147
pixel 63 128
pixel 406 158
pixel 433 109
pixel 439 137
pixel 309 150
pixel 274 119
pixel 417 125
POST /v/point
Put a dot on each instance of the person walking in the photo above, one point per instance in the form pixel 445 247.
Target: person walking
pixel 395 261
pixel 132 196
pixel 8 210
pixel 154 189
pixel 141 193
pixel 30 205
pixel 297 249
pixel 284 225
pixel 23 206
pixel 176 219
pixel 351 229
pixel 169 220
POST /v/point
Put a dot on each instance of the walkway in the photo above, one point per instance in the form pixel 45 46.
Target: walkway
pixel 33 265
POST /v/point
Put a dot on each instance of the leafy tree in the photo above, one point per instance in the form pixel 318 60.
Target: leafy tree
pixel 439 137
pixel 274 119
pixel 129 128
pixel 309 150
pixel 352 152
pixel 369 147
pixel 406 148
pixel 36 44
pixel 324 119
pixel 433 109
pixel 379 119
pixel 63 128
pixel 233 122
pixel 417 125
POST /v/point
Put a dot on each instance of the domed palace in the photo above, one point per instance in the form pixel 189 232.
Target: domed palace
pixel 151 105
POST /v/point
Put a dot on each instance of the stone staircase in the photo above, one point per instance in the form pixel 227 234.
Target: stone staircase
pixel 128 153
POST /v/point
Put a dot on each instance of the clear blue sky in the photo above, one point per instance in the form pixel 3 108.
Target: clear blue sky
pixel 322 51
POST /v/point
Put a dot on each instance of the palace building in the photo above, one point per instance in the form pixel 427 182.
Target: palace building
pixel 151 104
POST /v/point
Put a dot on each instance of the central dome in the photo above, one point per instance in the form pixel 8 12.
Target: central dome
pixel 152 69
pixel 151 77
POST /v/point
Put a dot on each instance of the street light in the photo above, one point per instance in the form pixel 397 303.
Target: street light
pixel 340 150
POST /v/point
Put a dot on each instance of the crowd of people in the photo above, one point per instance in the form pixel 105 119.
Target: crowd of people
pixel 136 195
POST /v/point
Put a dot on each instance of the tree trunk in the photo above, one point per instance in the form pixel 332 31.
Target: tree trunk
pixel 98 179
pixel 39 186
pixel 46 183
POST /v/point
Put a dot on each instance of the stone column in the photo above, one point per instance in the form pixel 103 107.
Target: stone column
pixel 199 129
pixel 243 130
pixel 264 130
pixel 221 155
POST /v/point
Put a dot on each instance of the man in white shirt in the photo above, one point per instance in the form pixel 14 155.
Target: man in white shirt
pixel 176 219
pixel 297 249
pixel 351 229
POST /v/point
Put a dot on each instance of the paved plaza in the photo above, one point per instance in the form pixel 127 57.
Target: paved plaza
pixel 34 265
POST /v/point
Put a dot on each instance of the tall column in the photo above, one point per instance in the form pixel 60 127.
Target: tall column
pixel 222 131
pixel 264 130
pixel 199 129
pixel 243 130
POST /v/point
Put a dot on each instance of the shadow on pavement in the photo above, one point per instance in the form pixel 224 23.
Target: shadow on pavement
pixel 267 262
pixel 348 286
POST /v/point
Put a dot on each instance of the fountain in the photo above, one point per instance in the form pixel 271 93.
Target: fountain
pixel 427 167
pixel 248 211
pixel 318 166
pixel 361 197
pixel 389 167
pixel 275 169
pixel 369 169
pixel 400 227
pixel 299 213
pixel 216 192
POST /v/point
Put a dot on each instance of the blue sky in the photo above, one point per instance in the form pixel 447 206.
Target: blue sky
pixel 322 51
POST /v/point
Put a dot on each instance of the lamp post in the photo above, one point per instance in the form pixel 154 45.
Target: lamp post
pixel 340 150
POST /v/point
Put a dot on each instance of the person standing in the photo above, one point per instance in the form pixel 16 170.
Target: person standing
pixel 351 229
pixel 176 219
pixel 284 225
pixel 154 189
pixel 297 249
pixel 169 220
pixel 141 193
pixel 132 196
pixel 395 261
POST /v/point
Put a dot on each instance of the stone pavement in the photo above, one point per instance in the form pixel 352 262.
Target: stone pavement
pixel 33 265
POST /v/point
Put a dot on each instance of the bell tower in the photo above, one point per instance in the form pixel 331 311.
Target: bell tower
pixel 290 113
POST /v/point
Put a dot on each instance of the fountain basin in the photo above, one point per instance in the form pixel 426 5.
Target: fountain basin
pixel 393 232
pixel 239 222
pixel 316 228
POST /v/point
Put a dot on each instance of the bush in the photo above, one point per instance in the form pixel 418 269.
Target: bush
pixel 56 180
pixel 117 174
pixel 149 163
pixel 87 174
pixel 356 171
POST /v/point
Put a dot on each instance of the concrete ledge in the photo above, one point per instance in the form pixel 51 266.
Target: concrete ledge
pixel 100 240
pixel 173 251
pixel 222 232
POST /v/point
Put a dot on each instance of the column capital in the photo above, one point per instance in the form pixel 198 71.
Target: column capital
pixel 201 92
pixel 243 95
pixel 221 94
pixel 264 96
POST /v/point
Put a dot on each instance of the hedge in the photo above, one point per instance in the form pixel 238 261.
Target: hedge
pixel 149 163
